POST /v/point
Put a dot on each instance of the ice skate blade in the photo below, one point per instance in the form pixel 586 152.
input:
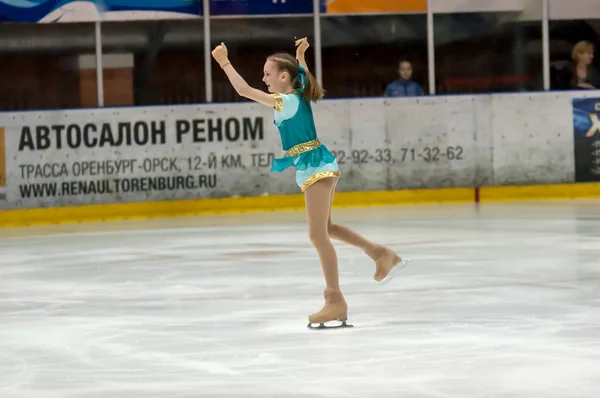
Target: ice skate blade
pixel 395 269
pixel 324 325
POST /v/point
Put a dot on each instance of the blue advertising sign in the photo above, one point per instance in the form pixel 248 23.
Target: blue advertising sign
pixel 38 10
pixel 262 7
pixel 586 129
pixel 86 10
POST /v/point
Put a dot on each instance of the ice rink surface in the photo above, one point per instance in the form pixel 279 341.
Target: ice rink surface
pixel 501 301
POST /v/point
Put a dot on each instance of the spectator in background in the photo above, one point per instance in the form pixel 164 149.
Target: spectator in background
pixel 584 76
pixel 404 87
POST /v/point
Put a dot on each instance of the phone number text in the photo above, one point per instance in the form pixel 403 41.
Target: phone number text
pixel 426 154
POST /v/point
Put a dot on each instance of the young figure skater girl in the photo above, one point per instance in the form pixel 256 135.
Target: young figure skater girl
pixel 292 87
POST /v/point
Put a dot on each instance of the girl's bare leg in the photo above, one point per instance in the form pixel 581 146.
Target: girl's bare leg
pixel 318 199
pixel 384 257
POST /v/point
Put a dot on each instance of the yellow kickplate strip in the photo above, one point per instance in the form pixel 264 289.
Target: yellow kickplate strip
pixel 540 192
pixel 126 211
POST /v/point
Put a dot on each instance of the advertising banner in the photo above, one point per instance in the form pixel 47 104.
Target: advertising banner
pixel 137 154
pixel 375 6
pixel 586 128
pixel 2 167
pixel 98 156
pixel 262 7
pixel 50 11
pixel 101 156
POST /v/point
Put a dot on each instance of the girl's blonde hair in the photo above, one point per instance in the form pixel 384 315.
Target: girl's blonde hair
pixel 583 46
pixel 311 90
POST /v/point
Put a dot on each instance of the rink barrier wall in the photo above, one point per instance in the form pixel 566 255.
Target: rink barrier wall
pixel 145 210
pixel 197 159
pixel 128 211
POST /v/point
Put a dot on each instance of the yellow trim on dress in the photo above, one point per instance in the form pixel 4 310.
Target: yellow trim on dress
pixel 304 147
pixel 318 176
pixel 278 102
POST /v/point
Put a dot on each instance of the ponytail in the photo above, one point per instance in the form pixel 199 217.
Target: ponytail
pixel 312 90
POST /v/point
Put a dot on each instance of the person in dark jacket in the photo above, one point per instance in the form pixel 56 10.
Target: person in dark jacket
pixel 404 87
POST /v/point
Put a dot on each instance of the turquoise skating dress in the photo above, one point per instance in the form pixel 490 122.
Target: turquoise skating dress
pixel 312 160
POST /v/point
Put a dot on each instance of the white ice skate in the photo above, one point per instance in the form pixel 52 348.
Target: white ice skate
pixel 395 269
